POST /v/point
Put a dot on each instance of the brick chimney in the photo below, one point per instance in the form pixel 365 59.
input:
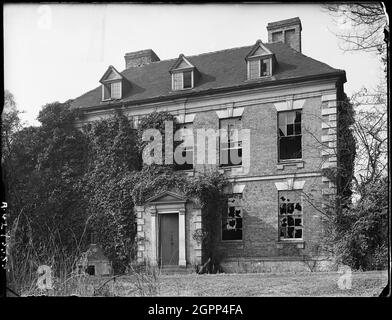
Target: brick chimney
pixel 140 58
pixel 287 31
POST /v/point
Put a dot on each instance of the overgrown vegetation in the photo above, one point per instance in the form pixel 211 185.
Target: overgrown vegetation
pixel 65 184
pixel 358 230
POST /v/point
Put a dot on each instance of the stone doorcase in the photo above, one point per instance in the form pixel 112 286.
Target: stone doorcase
pixel 148 228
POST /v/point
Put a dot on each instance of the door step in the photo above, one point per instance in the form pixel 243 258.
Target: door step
pixel 168 270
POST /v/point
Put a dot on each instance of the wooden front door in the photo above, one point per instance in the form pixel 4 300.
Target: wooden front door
pixel 168 242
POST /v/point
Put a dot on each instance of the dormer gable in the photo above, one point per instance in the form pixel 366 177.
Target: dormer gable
pixel 112 84
pixel 260 61
pixel 183 74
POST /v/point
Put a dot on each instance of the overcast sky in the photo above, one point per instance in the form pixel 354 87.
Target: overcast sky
pixel 58 52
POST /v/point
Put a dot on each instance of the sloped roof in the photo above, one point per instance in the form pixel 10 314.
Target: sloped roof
pixel 218 71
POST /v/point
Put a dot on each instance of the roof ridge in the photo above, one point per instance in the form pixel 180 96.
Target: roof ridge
pixel 195 55
pixel 222 50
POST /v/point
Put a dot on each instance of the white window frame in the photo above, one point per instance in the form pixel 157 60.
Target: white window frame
pixel 182 80
pixel 110 83
pixel 293 135
pixel 259 67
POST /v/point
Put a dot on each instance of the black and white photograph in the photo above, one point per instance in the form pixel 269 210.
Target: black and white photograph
pixel 195 150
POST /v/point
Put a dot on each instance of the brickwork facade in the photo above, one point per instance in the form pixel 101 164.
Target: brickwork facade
pixel 266 236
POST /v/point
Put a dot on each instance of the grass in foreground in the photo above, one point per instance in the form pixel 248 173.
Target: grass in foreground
pixel 320 284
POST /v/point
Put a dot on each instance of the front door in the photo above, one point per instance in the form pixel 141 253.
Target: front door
pixel 168 243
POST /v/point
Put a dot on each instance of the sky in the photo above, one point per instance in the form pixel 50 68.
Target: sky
pixel 58 52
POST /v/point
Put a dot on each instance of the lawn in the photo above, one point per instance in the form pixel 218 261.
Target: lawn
pixel 364 284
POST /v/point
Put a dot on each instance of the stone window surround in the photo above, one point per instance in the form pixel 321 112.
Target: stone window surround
pixel 289 105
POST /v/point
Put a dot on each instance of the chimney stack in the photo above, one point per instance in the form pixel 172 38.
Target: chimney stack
pixel 287 31
pixel 140 58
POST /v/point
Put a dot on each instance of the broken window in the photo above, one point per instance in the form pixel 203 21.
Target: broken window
pixel 290 135
pixel 290 215
pixel 186 133
pixel 232 219
pixel 230 142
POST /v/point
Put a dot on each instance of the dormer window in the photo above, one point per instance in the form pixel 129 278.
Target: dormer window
pixel 183 80
pixel 259 68
pixel 183 74
pixel 112 84
pixel 111 90
pixel 259 62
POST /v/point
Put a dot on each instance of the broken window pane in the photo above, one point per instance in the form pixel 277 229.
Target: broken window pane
pixel 289 135
pixel 232 220
pixel 290 215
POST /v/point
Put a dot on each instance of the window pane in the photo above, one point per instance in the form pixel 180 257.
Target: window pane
pixel 265 67
pixel 290 129
pixel 298 233
pixel 230 142
pixel 106 91
pixel 290 148
pixel 254 69
pixel 187 79
pixel 177 81
pixel 298 222
pixel 116 90
pixel 297 129
pixel 290 117
pixel 282 124
pixel 298 116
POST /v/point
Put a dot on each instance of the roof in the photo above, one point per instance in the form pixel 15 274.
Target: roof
pixel 217 71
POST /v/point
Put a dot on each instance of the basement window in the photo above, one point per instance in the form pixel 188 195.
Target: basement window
pixel 290 215
pixel 232 219
pixel 289 135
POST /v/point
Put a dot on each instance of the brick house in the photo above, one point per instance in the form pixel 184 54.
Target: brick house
pixel 288 101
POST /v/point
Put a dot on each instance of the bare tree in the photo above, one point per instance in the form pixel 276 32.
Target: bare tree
pixel 370 131
pixel 365 25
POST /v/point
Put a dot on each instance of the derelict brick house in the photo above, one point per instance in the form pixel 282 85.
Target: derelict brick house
pixel 288 101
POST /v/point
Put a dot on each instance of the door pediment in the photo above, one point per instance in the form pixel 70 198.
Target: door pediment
pixel 166 197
